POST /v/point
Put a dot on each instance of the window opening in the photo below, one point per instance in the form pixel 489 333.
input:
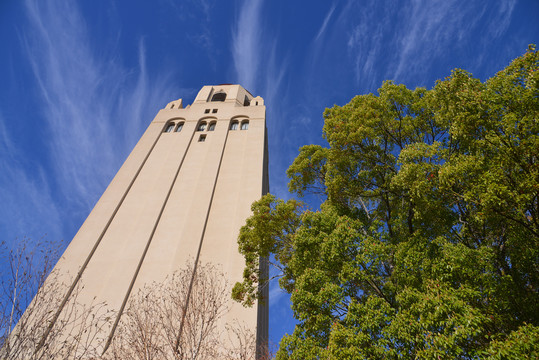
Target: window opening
pixel 172 106
pixel 246 101
pixel 220 96
pixel 169 127
pixel 214 111
pixel 207 111
pixel 234 126
pixel 201 126
pixel 245 125
pixel 211 127
pixel 202 138
pixel 179 127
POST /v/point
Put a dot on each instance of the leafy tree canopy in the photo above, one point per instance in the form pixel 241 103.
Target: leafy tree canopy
pixel 426 245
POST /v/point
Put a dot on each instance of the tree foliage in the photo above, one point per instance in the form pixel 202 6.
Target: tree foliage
pixel 426 245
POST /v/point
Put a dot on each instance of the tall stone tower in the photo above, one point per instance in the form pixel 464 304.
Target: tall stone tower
pixel 183 193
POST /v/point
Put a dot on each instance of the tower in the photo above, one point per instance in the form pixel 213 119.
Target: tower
pixel 182 194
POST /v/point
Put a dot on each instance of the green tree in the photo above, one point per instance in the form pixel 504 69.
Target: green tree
pixel 426 245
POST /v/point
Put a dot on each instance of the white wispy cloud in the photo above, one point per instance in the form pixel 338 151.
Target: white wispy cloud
pixel 325 23
pixel 501 20
pixel 27 205
pixel 430 29
pixel 247 44
pixel 94 109
pixel 200 12
pixel 258 66
pixel 400 40
pixel 90 113
pixel 366 38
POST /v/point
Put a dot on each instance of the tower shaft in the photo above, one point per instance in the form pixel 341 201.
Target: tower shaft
pixel 181 196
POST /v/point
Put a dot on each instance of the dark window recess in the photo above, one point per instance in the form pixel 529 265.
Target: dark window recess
pixel 245 125
pixel 214 111
pixel 207 111
pixel 211 127
pixel 202 138
pixel 169 127
pixel 220 96
pixel 179 127
pixel 234 126
pixel 201 127
pixel 246 102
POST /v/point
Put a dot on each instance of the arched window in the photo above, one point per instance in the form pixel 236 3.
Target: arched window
pixel 212 126
pixel 169 127
pixel 244 125
pixel 234 125
pixel 179 127
pixel 220 96
pixel 246 101
pixel 201 126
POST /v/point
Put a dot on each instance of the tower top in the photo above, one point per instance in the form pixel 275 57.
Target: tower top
pixel 228 93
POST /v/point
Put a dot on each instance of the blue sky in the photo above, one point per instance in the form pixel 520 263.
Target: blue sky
pixel 81 80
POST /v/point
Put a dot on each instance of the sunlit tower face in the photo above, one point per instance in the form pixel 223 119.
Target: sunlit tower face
pixel 182 195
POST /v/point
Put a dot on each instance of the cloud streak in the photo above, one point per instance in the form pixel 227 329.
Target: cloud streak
pixel 427 30
pixel 325 23
pixel 81 91
pixel 199 12
pixel 91 112
pixel 247 45
pixel 27 207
